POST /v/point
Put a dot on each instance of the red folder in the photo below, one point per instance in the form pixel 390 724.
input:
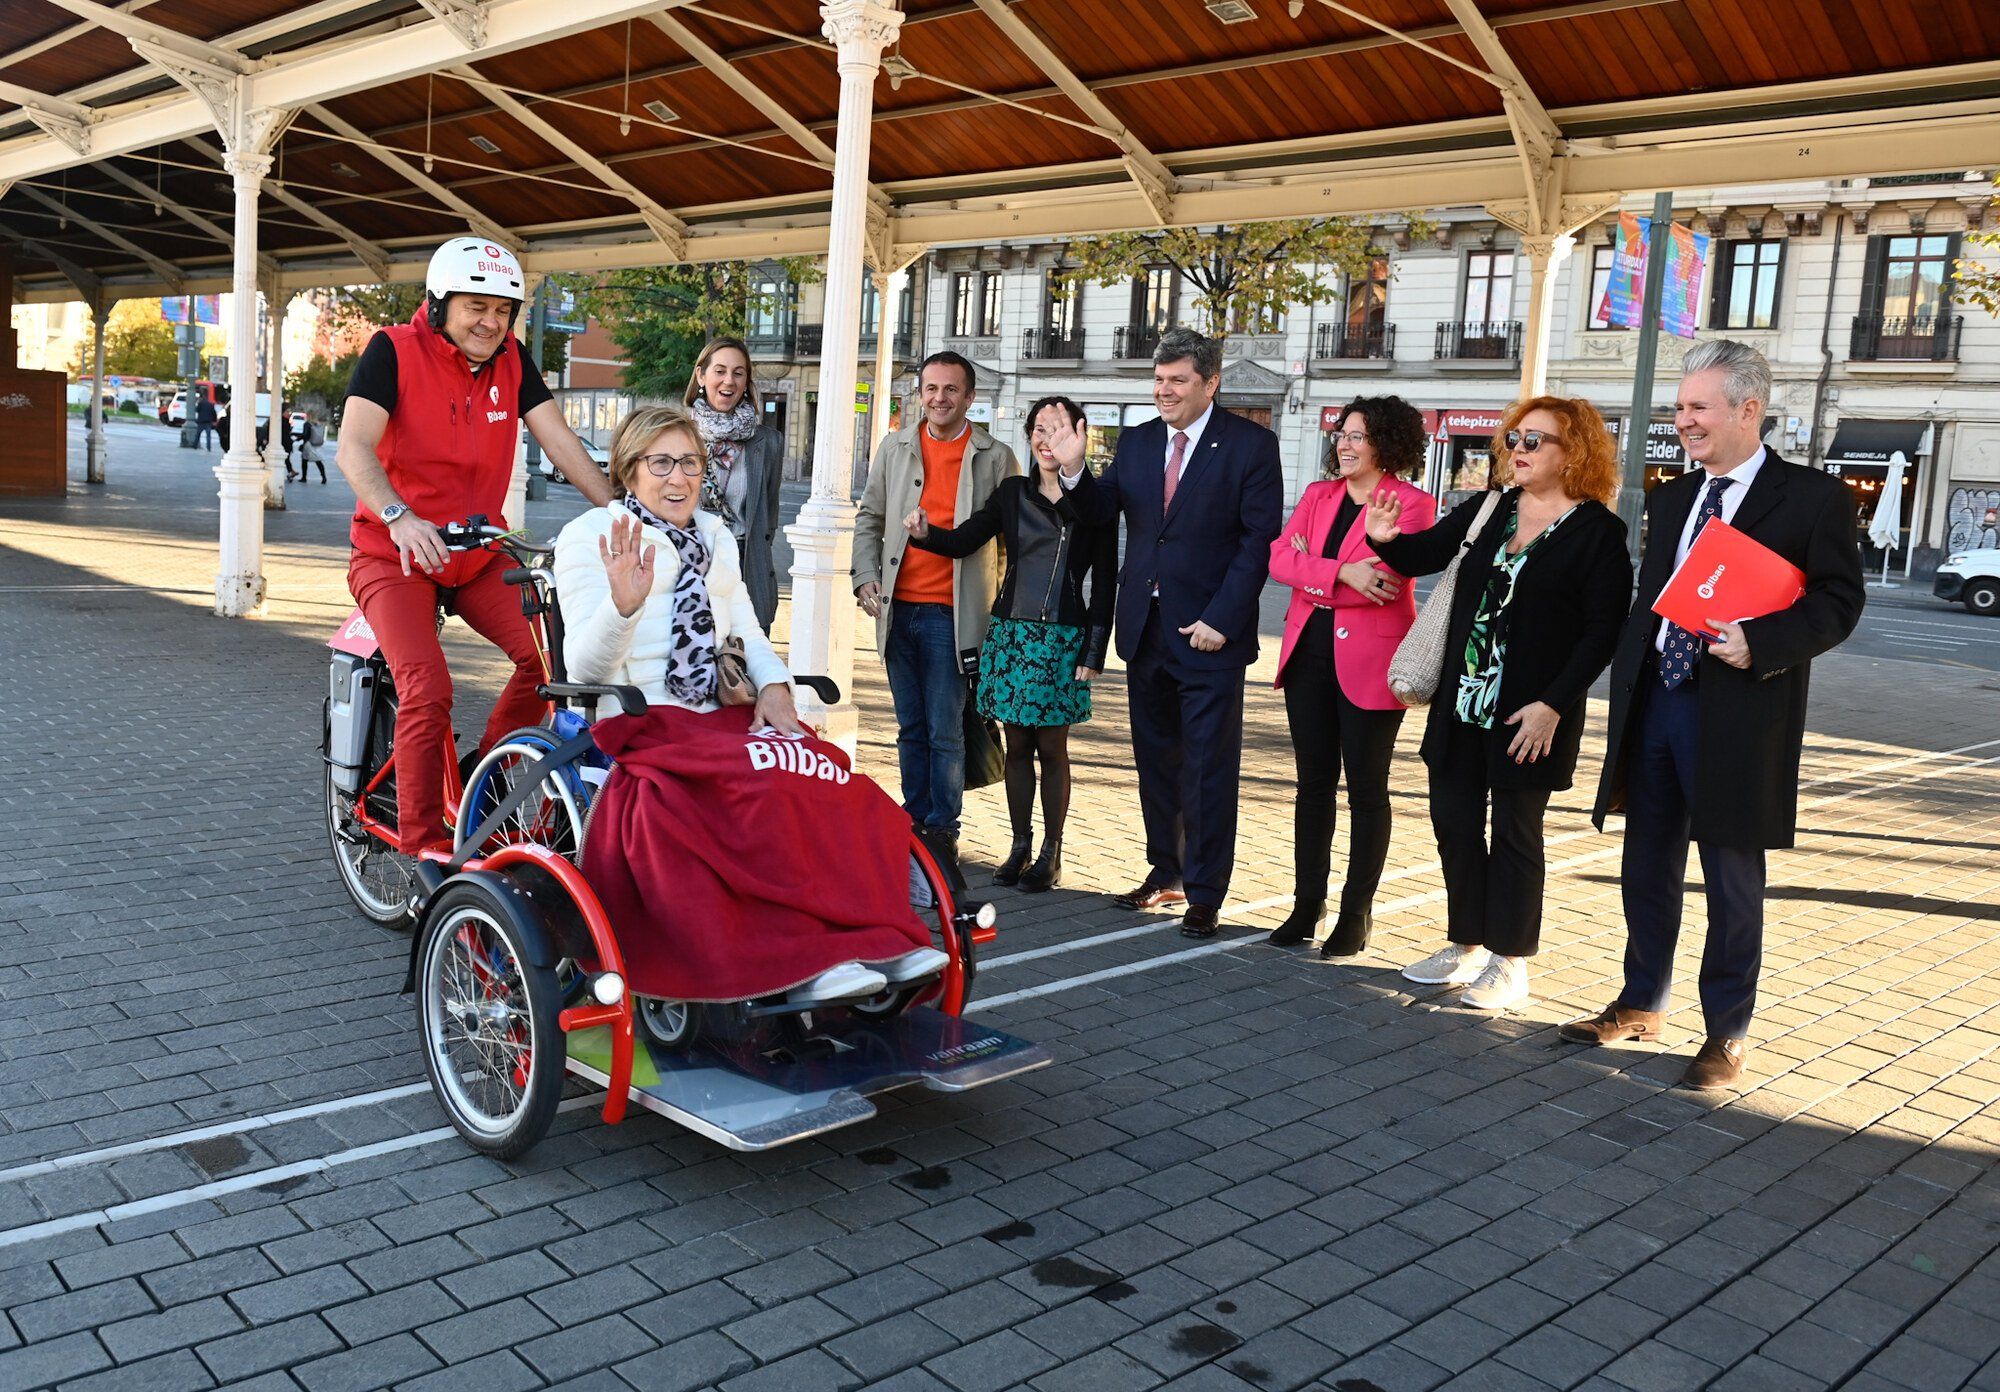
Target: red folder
pixel 1729 577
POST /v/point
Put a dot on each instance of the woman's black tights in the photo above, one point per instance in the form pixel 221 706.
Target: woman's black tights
pixel 1049 743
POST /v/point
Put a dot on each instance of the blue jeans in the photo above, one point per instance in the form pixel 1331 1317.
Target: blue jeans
pixel 929 692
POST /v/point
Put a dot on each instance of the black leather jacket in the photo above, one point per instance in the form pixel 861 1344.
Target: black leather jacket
pixel 1050 552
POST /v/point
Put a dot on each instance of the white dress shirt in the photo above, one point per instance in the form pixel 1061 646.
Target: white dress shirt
pixel 1193 432
pixel 1740 478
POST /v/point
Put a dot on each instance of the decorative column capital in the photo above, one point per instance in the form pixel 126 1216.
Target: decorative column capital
pixel 243 165
pixel 859 29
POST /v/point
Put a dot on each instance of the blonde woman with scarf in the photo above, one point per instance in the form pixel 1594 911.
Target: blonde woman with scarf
pixel 745 464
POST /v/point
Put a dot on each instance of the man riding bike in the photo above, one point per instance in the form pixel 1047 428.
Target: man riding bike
pixel 427 437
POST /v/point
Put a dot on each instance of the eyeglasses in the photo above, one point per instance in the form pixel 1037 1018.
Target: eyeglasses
pixel 1351 437
pixel 665 465
pixel 1528 441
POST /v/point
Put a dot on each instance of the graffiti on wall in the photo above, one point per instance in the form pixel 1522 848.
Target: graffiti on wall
pixel 1972 519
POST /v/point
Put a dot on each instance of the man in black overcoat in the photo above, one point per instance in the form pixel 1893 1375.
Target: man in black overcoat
pixel 1705 736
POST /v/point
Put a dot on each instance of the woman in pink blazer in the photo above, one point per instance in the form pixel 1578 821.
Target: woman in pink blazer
pixel 1348 613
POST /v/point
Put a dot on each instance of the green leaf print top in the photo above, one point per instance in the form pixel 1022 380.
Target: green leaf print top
pixel 1486 645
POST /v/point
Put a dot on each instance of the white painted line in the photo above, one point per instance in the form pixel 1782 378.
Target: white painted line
pixel 276 1174
pixel 1408 872
pixel 203 1133
pixel 1049 988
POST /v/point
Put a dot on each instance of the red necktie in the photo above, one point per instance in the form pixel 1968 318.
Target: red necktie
pixel 1174 462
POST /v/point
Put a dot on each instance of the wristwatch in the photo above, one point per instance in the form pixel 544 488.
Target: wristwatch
pixel 394 513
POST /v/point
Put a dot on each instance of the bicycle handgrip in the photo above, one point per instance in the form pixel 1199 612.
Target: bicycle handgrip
pixel 516 575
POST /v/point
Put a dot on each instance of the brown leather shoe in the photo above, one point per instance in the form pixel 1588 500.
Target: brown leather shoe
pixel 1150 896
pixel 1718 1065
pixel 1613 1025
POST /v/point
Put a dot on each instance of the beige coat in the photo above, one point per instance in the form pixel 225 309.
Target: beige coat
pixel 895 487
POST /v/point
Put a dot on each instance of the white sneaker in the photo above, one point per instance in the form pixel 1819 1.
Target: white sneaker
pixel 914 965
pixel 838 983
pixel 1451 965
pixel 1502 986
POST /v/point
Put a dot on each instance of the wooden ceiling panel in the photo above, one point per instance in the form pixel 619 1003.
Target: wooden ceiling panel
pixel 717 174
pixel 980 140
pixel 73 63
pixel 1109 37
pixel 968 48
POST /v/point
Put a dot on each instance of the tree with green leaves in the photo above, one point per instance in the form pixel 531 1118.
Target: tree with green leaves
pixel 137 343
pixel 1977 282
pixel 1244 275
pixel 659 316
pixel 321 382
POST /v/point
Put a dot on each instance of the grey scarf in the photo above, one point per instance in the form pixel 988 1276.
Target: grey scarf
pixel 724 433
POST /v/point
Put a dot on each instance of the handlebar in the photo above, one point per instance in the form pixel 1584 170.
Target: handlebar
pixel 476 532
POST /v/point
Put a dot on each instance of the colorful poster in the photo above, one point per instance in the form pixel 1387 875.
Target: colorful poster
pixel 1680 293
pixel 207 309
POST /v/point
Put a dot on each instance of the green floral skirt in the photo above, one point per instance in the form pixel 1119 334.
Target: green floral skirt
pixel 1027 674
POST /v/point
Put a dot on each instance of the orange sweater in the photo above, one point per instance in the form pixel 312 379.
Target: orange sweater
pixel 926 578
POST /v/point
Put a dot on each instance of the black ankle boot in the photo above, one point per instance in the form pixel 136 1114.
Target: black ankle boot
pixel 1349 936
pixel 1046 872
pixel 1016 861
pixel 1304 922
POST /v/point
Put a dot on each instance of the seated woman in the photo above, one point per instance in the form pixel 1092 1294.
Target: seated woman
pixel 651 596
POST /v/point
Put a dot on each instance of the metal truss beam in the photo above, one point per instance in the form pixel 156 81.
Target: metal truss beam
pixel 479 222
pixel 166 270
pixel 1154 180
pixel 664 224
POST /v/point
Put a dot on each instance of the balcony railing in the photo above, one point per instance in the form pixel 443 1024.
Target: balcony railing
pixel 809 339
pixel 1052 343
pixel 779 341
pixel 1923 338
pixel 903 343
pixel 1135 341
pixel 1472 338
pixel 1355 341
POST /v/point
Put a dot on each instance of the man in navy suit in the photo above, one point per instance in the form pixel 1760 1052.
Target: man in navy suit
pixel 1706 731
pixel 1202 496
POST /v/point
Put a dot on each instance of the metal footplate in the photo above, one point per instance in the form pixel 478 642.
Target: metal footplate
pixel 752 1098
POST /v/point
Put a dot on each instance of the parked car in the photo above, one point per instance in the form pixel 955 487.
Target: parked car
pixel 1971 578
pixel 599 456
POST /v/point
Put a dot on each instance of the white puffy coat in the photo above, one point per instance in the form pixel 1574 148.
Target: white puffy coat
pixel 602 645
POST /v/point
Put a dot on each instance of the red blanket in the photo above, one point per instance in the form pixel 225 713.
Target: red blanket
pixel 736 865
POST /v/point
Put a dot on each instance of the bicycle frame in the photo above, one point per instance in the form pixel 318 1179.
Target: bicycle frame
pixel 360 640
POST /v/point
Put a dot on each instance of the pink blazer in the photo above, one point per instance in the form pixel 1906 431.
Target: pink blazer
pixel 1365 633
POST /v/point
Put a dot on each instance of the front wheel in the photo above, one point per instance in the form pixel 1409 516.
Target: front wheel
pixel 1983 596
pixel 490 1022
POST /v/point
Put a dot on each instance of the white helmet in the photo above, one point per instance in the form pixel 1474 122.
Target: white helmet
pixel 471 266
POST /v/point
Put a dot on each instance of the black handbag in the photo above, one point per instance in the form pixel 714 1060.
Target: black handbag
pixel 985 753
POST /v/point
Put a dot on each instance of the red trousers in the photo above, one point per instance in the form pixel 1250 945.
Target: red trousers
pixel 402 609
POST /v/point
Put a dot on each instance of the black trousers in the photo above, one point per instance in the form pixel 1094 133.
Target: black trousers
pixel 1187 739
pixel 1658 798
pixel 1493 891
pixel 1330 733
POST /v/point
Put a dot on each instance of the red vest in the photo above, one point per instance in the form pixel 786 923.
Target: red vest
pixel 449 446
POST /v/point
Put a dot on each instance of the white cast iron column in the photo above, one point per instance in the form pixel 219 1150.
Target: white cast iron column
pixel 274 377
pixel 888 296
pixel 1546 256
pixel 93 455
pixel 239 585
pixel 823 609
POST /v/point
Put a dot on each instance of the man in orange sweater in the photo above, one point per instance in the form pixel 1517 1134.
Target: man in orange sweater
pixel 930 612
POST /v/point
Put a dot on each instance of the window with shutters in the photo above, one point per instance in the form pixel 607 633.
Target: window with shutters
pixel 1906 309
pixel 1747 274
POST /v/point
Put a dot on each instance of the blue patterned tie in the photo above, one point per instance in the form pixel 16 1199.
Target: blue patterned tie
pixel 1684 648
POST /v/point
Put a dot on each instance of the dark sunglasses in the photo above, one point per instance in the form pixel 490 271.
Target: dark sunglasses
pixel 1526 441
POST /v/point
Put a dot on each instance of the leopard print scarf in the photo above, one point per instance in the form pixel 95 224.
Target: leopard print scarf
pixel 691 661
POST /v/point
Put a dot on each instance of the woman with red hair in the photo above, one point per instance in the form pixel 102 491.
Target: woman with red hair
pixel 1541 596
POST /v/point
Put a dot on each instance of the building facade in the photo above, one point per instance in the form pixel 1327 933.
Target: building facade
pixel 1844 286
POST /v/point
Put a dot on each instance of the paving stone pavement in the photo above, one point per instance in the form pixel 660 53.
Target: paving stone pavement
pixel 1247 1169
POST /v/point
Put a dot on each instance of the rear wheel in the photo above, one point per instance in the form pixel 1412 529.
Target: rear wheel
pixel 1983 596
pixel 490 1021
pixel 377 877
pixel 550 816
pixel 670 1024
